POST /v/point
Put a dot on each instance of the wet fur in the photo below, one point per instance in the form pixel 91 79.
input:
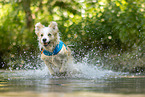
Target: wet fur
pixel 57 64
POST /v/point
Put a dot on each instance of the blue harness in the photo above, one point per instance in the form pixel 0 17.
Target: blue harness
pixel 56 50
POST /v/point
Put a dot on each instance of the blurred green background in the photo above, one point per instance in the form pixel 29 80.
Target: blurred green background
pixel 115 29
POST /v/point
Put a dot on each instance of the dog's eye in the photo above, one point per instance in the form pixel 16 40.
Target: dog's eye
pixel 41 35
pixel 49 34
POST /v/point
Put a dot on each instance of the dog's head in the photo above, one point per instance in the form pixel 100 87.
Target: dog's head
pixel 47 35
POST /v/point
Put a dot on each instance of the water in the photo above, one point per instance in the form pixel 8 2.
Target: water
pixel 90 81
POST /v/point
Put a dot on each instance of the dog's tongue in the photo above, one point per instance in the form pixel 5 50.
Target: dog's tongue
pixel 46 43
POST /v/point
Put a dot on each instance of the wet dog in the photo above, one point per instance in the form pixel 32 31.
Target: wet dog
pixel 55 54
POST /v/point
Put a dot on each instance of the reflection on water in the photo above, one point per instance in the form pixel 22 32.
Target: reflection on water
pixel 38 81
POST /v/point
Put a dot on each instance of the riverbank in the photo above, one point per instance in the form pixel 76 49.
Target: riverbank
pixel 57 94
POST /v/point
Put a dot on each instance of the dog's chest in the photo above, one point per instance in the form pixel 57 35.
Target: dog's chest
pixel 62 55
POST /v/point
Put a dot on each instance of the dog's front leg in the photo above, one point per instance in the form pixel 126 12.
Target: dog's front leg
pixel 49 65
pixel 63 66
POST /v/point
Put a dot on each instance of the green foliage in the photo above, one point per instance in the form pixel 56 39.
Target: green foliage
pixel 100 24
pixel 114 25
pixel 117 25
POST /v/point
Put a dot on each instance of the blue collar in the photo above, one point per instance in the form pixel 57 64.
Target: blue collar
pixel 56 50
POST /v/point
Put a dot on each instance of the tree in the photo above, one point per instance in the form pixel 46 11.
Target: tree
pixel 26 4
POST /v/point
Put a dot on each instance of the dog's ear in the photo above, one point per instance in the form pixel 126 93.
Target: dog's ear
pixel 53 25
pixel 38 26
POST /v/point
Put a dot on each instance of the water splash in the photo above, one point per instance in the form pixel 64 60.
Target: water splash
pixel 88 68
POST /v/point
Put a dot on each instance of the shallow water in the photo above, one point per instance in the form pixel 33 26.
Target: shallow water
pixel 38 83
pixel 84 80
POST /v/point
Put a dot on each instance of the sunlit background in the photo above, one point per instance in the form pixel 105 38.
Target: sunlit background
pixel 112 30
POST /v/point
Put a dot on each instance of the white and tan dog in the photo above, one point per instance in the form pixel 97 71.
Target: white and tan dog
pixel 54 52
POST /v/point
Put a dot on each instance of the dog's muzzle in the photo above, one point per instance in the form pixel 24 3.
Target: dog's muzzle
pixel 45 43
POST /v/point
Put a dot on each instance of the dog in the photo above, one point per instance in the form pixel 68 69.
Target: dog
pixel 55 54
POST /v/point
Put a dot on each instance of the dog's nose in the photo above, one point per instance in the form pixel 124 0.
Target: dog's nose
pixel 44 40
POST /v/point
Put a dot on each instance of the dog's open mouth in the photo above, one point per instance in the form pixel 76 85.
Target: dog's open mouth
pixel 46 43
